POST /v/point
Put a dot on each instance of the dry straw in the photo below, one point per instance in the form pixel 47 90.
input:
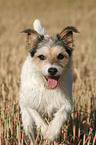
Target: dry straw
pixel 80 128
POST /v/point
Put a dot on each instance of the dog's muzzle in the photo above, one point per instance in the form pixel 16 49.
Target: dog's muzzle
pixel 52 79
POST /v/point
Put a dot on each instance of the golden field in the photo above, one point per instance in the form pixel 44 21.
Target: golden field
pixel 17 15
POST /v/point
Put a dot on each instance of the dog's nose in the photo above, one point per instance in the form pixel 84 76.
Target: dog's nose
pixel 52 71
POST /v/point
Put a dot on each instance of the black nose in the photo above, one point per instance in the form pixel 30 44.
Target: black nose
pixel 52 71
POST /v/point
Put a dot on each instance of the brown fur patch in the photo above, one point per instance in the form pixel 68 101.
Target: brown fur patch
pixel 51 54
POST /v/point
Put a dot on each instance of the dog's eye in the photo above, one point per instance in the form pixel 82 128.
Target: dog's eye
pixel 60 56
pixel 42 57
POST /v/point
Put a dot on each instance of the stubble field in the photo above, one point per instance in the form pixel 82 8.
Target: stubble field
pixel 15 16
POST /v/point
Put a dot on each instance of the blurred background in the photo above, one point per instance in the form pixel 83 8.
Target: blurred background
pixel 17 15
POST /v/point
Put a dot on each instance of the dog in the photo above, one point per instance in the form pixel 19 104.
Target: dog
pixel 46 81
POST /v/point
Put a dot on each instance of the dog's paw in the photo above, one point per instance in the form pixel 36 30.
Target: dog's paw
pixel 43 128
pixel 51 133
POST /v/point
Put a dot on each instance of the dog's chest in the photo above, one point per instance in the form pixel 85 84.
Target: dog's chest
pixel 48 101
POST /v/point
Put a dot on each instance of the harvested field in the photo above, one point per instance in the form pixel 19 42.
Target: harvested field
pixel 17 15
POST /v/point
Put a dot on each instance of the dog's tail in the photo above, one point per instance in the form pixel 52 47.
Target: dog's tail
pixel 38 27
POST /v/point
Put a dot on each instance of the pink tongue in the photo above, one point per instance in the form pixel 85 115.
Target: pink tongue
pixel 52 83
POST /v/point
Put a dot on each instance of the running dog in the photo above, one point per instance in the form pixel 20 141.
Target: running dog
pixel 46 81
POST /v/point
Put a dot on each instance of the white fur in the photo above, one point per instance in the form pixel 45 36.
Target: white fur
pixel 38 27
pixel 37 99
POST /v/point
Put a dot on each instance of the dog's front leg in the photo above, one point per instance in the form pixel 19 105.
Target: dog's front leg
pixel 56 124
pixel 28 124
pixel 38 120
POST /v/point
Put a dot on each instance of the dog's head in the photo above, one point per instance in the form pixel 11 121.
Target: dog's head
pixel 52 54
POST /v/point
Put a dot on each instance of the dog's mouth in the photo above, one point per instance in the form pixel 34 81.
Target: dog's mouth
pixel 52 81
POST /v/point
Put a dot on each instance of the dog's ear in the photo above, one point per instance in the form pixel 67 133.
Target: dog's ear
pixel 66 35
pixel 33 38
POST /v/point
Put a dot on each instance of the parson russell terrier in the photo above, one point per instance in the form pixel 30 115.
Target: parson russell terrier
pixel 46 81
